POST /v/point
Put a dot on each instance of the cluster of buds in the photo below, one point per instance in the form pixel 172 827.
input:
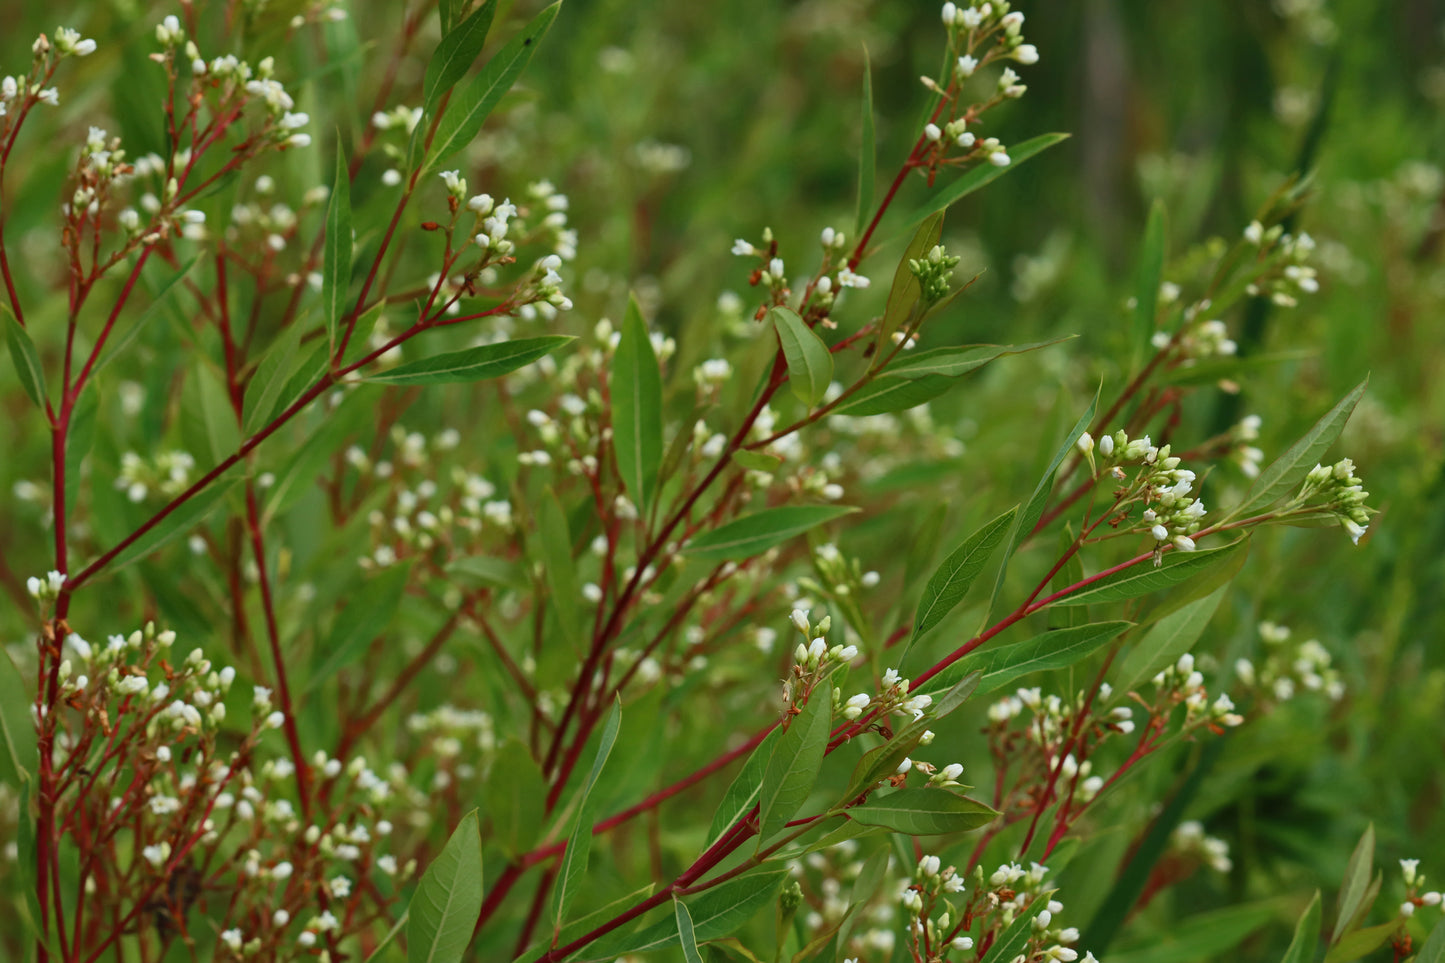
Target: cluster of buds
pixel 1190 842
pixel 1416 895
pixel 840 575
pixel 1171 512
pixel 813 656
pixel 1182 682
pixel 1245 455
pixel 168 474
pixel 1286 668
pixel 1287 274
pixel 933 272
pixel 1337 491
pixel 933 920
pixel 47 588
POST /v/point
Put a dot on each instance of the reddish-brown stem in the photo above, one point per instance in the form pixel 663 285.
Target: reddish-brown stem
pixel 283 689
pixel 399 685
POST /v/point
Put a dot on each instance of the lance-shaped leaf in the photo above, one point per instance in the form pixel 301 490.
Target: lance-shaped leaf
pixel 923 811
pixel 336 252
pixel 448 900
pixel 636 387
pixel 579 837
pixel 716 912
pixel 1287 471
pixel 1356 883
pixel 366 615
pixel 742 793
pixel 1034 507
pixel 1016 936
pixel 18 754
pixel 983 174
pixel 25 358
pixel 810 363
pixel 469 107
pixel 1434 949
pixel 1169 638
pixel 793 767
pixel 189 514
pixel 1144 578
pixel 1057 649
pixel 473 364
pixel 1146 281
pixel 511 802
pixel 686 935
pixel 160 296
pixel 905 293
pixel 890 393
pixel 756 533
pixel 455 54
pixel 956 575
pixel 1306 935
pixel 867 149
pixel 953 362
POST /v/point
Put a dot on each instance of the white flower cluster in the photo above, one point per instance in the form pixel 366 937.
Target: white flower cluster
pixel 1171 513
pixel 1288 274
pixel 1286 669
pixel 1414 884
pixel 1190 841
pixel 1182 682
pixel 1338 491
pixel 835 274
pixel 168 474
pixel 813 655
pixel 1247 456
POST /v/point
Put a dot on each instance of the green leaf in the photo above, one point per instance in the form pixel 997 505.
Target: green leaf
pixel 473 364
pixel 1287 471
pixel 756 460
pixel 1306 935
pixel 686 935
pixel 983 174
pixel 375 955
pixel 1147 279
pixel 469 107
pixel 882 761
pixel 460 47
pixel 1056 649
pixel 159 296
pixel 561 571
pixel 953 362
pixel 1358 943
pixel 336 253
pixel 891 393
pixel 1034 507
pixel 1204 937
pixel 923 811
pixel 1013 939
pixel 579 837
pixel 490 571
pixel 796 760
pixel 1170 638
pixel 1144 578
pixel 716 912
pixel 272 374
pixel 1356 882
pixel 586 924
pixel 366 615
pixel 742 793
pixel 1434 949
pixel 951 582
pixel 187 515
pixel 637 409
pixel 447 13
pixel 19 756
pixel 905 293
pixel 511 802
pixel 865 886
pixel 810 363
pixel 208 421
pixel 756 533
pixel 25 358
pixel 867 149
pixel 448 900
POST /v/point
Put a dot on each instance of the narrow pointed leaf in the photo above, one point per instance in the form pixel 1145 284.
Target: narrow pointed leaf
pixel 953 362
pixel 983 174
pixel 1013 939
pixel 810 363
pixel 756 533
pixel 579 838
pixel 947 587
pixel 890 393
pixel 716 912
pixel 190 514
pixel 1147 279
pixel 18 754
pixel 511 802
pixel 1145 578
pixel 793 767
pixel 472 364
pixel 1356 882
pixel 867 149
pixel 455 55
pixel 336 252
pixel 637 409
pixel 448 900
pixel 264 388
pixel 1167 640
pixel 1056 649
pixel 757 460
pixel 905 293
pixel 1306 935
pixel 1034 507
pixel 1434 949
pixel 160 295
pixel 1358 943
pixel 470 106
pixel 923 811
pixel 25 358
pixel 686 935
pixel 366 615
pixel 742 793
pixel 1288 471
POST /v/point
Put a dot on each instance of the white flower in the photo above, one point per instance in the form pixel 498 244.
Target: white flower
pixel 967 65
pixel 855 705
pixel 932 132
pixel 1026 54
pixel 949 14
pixel 1254 233
pixel 848 279
pixel 232 939
pixel 999 159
